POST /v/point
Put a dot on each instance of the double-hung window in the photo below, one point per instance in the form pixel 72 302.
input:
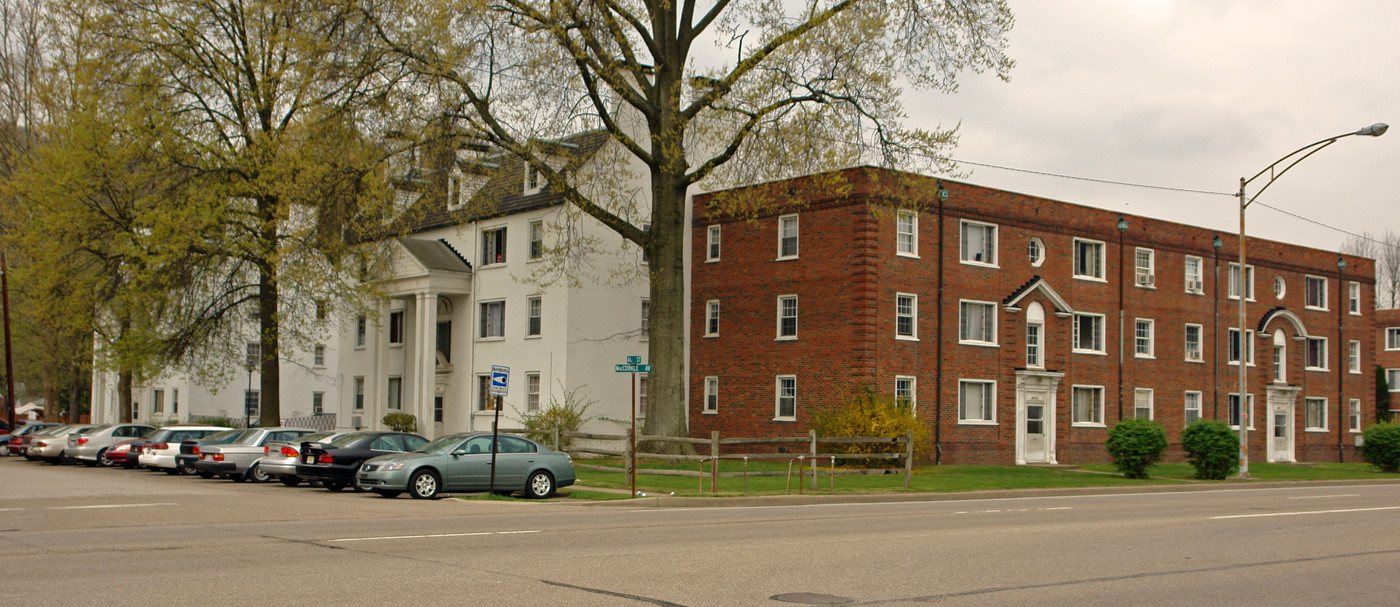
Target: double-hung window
pixel 1087 406
pixel 1354 360
pixel 904 391
pixel 359 403
pixel 493 246
pixel 1193 343
pixel 361 328
pixel 1142 403
pixel 1144 268
pixel 396 328
pixel 1354 415
pixel 906 310
pixel 787 237
pixel 1392 338
pixel 1088 333
pixel 1232 406
pixel 977 323
pixel 1315 411
pixel 906 234
pixel 1315 292
pixel 785 398
pixel 711 394
pixel 975 401
pixel 1316 354
pixel 1144 342
pixel 1194 284
pixel 1191 405
pixel 532 392
pixel 712 318
pixel 979 243
pixel 787 317
pixel 534 316
pixel 712 243
pixel 1233 346
pixel 1354 298
pixel 536 239
pixel 493 319
pixel 1088 259
pixel 1235 285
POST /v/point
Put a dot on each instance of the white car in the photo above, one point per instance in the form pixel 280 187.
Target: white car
pixel 162 447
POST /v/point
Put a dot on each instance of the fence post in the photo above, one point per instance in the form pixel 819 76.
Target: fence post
pixel 556 438
pixel 714 461
pixel 908 458
pixel 813 451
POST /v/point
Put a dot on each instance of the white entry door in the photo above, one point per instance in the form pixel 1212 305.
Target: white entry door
pixel 1280 435
pixel 1033 422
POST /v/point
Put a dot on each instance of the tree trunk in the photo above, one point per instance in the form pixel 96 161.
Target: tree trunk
pixel 124 381
pixel 270 412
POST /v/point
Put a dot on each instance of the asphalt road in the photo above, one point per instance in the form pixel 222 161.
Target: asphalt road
pixel 83 536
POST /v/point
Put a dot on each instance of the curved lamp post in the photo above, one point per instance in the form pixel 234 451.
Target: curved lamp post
pixel 1273 173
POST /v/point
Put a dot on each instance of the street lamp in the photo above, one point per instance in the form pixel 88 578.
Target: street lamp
pixel 1292 160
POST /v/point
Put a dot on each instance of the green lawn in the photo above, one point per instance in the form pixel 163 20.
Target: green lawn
pixel 927 478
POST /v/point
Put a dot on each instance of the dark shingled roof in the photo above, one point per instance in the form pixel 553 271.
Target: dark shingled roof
pixel 435 254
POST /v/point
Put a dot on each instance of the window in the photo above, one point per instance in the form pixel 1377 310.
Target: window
pixel 1191 406
pixel 1392 379
pixel 712 318
pixel 906 230
pixel 318 355
pixel 711 395
pixel 493 319
pixel 642 395
pixel 1143 346
pixel 1392 338
pixel 906 309
pixel 534 309
pixel 253 359
pixel 1088 406
pixel 1142 403
pixel 787 237
pixel 437 409
pixel 1232 405
pixel 1035 357
pixel 174 401
pixel 360 330
pixel 1354 362
pixel 785 400
pixel 1315 412
pixel 979 243
pixel 904 391
pixel 1354 298
pixel 1354 415
pixel 1193 343
pixel 318 403
pixel 646 318
pixel 712 244
pixel 484 400
pixel 533 183
pixel 395 395
pixel 359 392
pixel 454 192
pixel 1315 292
pixel 1088 333
pixel 322 309
pixel 396 328
pixel 1280 287
pixel 1144 267
pixel 1280 362
pixel 157 401
pixel 1193 275
pixel 975 401
pixel 1316 354
pixel 1235 282
pixel 1232 353
pixel 1088 259
pixel 536 239
pixel 532 392
pixel 1035 252
pixel 787 317
pixel 493 246
pixel 251 401
pixel 977 323
pixel 646 252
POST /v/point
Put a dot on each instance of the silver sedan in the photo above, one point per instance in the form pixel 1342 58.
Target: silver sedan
pixel 463 462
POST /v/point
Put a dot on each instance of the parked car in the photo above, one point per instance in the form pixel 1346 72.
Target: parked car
pixel 29 440
pixel 238 460
pixel 16 442
pixel 334 463
pixel 163 446
pixel 52 447
pixel 189 450
pixel 280 457
pixel 462 462
pixel 89 447
pixel 124 453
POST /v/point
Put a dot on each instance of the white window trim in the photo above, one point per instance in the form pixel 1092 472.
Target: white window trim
pixel 1325 421
pixel 1145 279
pixel 1151 402
pixel 711 388
pixel 1198 286
pixel 1103 333
pixel 1248 409
pixel 777 398
pixel 995 244
pixel 530 241
pixel 1038 260
pixel 1102 406
pixel 1151 338
pixel 778 326
pixel 712 311
pixel 528 300
pixel 1388 341
pixel 1280 287
pixel 1246 348
pixel 1103 261
pixel 481 241
pixel 1394 386
pixel 1200 344
pixel 1354 416
pixel 977 422
pixel 914 236
pixel 798 237
pixel 361 336
pixel 480 319
pixel 913 317
pixel 1248 287
pixel 1307 281
pixel 1354 357
pixel 1354 298
pixel 913 390
pixel 1325 358
pixel 1200 404
pixel 712 243
pixel 991 305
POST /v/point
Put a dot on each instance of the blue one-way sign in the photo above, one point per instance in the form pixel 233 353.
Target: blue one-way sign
pixel 500 380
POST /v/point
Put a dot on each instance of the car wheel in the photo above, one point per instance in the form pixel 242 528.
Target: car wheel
pixel 290 481
pixel 332 486
pixel 424 485
pixel 256 475
pixel 387 493
pixel 541 485
pixel 102 459
pixel 188 470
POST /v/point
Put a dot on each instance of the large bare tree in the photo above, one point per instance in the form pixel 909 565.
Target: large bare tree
pixel 1385 249
pixel 719 91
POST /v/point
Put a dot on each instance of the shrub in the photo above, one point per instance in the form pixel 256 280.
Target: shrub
pixel 1212 448
pixel 401 422
pixel 567 416
pixel 873 416
pixel 1135 445
pixel 1380 445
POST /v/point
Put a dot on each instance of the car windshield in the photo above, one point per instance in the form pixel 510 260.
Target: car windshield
pixel 442 445
pixel 87 430
pixel 247 438
pixel 341 442
pixel 221 435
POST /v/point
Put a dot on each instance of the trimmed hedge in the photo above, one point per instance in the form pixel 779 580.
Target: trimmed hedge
pixel 1135 445
pixel 1212 448
pixel 1381 446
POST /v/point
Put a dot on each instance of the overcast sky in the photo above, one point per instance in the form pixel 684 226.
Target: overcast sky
pixel 1192 94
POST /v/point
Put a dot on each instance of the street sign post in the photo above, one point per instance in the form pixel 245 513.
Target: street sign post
pixel 500 384
pixel 634 366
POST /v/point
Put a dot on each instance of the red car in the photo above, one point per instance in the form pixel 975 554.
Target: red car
pixel 124 453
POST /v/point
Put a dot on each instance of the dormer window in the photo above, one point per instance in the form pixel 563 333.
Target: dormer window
pixel 454 192
pixel 534 182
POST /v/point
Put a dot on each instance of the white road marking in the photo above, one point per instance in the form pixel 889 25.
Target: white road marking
pixel 1261 515
pixel 415 537
pixel 1011 510
pixel 1313 497
pixel 94 507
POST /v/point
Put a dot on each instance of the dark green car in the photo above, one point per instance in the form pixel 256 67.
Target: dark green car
pixel 462 463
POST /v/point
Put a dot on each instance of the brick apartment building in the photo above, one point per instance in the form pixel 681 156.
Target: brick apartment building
pixel 1019 328
pixel 1388 353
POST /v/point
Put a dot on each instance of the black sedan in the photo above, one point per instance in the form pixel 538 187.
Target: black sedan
pixel 333 464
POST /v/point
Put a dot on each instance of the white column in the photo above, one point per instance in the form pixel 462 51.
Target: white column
pixel 425 361
pixel 375 384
